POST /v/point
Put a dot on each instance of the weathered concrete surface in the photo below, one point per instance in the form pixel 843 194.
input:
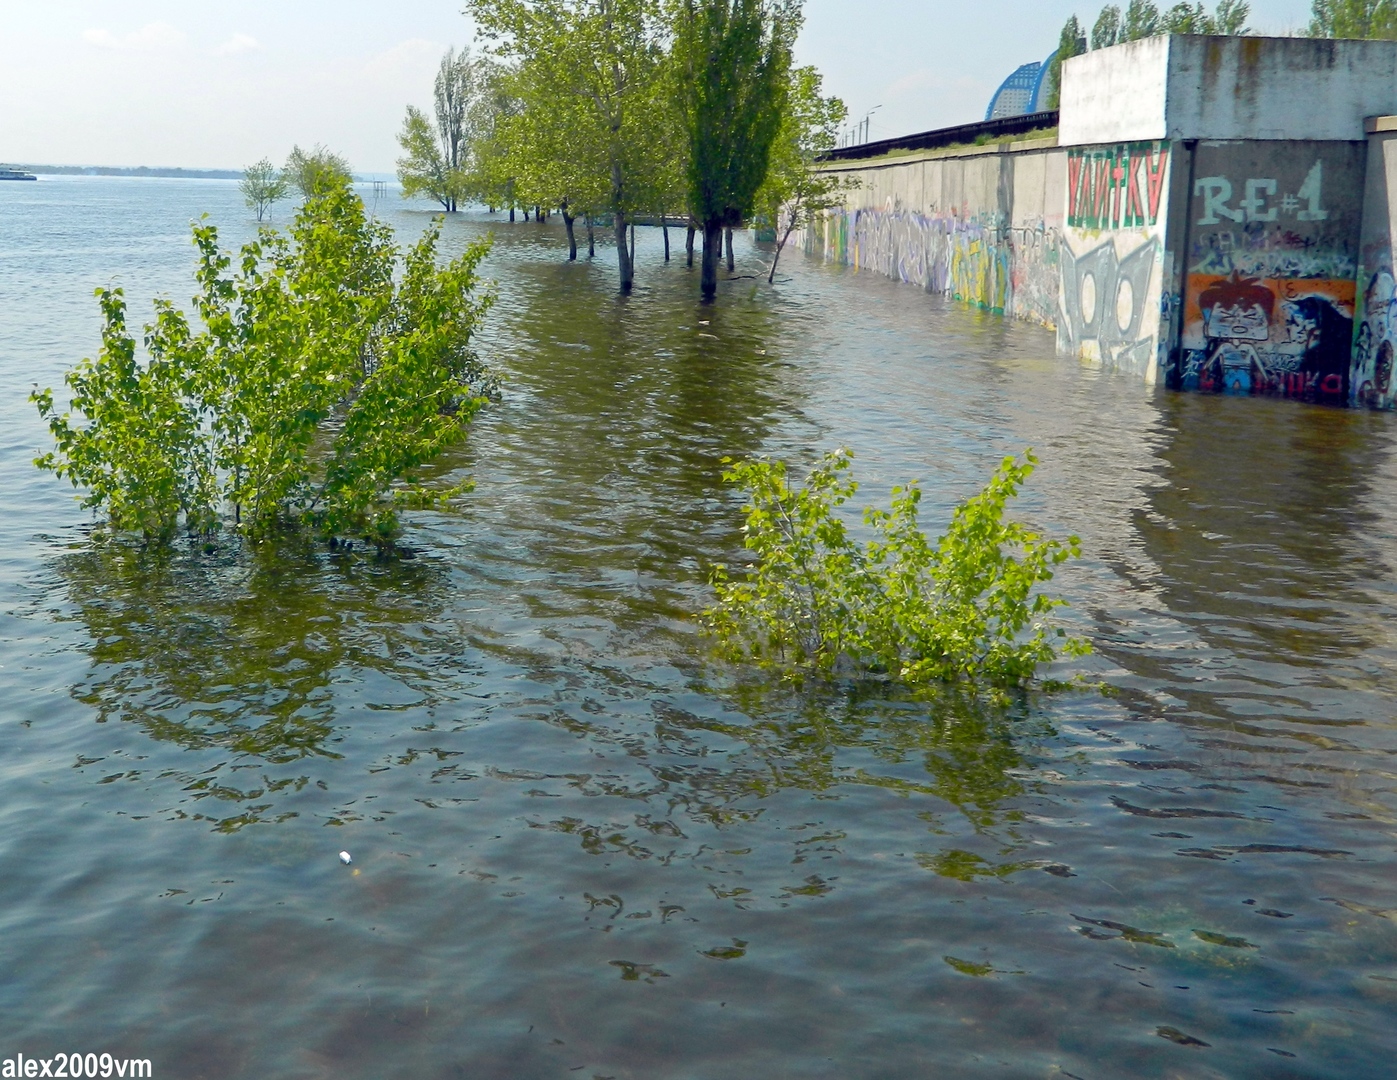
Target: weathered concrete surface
pixel 1371 380
pixel 1193 87
pixel 1271 249
pixel 981 225
pixel 1216 214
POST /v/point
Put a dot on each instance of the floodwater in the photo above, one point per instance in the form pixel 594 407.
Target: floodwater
pixel 583 848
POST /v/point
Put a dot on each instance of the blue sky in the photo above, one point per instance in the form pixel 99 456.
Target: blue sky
pixel 155 82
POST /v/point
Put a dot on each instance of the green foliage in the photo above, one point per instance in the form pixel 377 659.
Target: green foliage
pixel 261 186
pixel 1072 42
pixel 963 609
pixel 1354 19
pixel 586 73
pixel 733 57
pixel 316 172
pixel 1105 32
pixel 313 390
pixel 795 191
pixel 423 170
pixel 1143 19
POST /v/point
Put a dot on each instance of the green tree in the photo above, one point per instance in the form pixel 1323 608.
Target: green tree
pixel 1071 42
pixel 813 601
pixel 261 186
pixel 1141 20
pixel 795 190
pixel 1354 19
pixel 321 375
pixel 593 62
pixel 423 170
pixel 1105 32
pixel 733 58
pixel 316 172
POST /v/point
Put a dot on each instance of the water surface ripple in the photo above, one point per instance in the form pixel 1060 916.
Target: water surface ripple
pixel 582 849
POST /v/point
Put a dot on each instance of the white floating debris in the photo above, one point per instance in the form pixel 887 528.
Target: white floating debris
pixel 344 858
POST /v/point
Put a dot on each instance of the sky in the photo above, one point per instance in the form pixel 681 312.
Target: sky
pixel 203 85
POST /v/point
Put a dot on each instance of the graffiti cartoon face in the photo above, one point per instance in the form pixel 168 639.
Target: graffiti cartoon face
pixel 1237 309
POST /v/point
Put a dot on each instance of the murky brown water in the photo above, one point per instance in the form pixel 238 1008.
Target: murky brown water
pixel 580 848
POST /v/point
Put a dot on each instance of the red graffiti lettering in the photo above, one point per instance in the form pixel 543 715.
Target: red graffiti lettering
pixel 1155 169
pixel 1134 210
pixel 1101 192
pixel 1075 176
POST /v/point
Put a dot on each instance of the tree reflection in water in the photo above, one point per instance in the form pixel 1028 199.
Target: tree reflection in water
pixel 237 654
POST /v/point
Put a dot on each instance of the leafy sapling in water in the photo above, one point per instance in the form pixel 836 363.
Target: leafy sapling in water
pixel 964 609
pixel 325 370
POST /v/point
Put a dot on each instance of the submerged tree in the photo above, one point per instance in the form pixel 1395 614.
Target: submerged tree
pixel 261 186
pixel 316 172
pixel 597 62
pixel 316 379
pixel 795 191
pixel 733 58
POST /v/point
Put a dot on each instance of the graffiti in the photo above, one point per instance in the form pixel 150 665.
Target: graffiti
pixel 1105 301
pixel 1277 336
pixel 1371 376
pixel 1257 250
pixel 1255 205
pixel 983 263
pixel 1118 187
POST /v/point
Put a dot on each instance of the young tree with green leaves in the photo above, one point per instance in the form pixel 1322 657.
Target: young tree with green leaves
pixel 795 191
pixel 261 186
pixel 733 58
pixel 316 171
pixel 319 375
pixel 423 170
pixel 1354 19
pixel 814 602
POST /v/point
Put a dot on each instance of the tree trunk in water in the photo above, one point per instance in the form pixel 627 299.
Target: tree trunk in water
pixel 568 219
pixel 727 236
pixel 664 227
pixel 689 243
pixel 632 249
pixel 712 252
pixel 511 215
pixel 537 216
pixel 623 254
pixel 591 239
pixel 526 213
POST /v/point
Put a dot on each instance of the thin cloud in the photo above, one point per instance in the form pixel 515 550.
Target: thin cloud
pixel 238 43
pixel 153 37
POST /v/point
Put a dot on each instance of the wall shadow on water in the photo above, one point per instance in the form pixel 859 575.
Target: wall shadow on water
pixel 1265 537
pixel 253 658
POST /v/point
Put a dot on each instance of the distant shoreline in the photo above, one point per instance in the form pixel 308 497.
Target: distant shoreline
pixel 145 170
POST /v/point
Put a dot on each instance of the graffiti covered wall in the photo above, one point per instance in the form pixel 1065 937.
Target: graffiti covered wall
pixel 1112 256
pixel 982 227
pixel 1272 245
pixel 1371 376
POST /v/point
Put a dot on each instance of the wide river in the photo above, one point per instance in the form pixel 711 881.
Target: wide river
pixel 582 847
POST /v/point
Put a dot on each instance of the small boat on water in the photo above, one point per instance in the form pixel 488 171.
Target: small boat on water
pixel 15 174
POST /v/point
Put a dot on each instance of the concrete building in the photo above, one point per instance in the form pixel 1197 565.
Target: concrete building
pixel 1212 212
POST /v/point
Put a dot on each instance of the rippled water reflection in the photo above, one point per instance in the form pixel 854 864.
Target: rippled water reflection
pixel 579 847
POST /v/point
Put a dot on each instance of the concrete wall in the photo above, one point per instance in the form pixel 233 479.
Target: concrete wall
pixel 1218 214
pixel 982 226
pixel 1194 87
pixel 1114 263
pixel 1271 243
pixel 1371 377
